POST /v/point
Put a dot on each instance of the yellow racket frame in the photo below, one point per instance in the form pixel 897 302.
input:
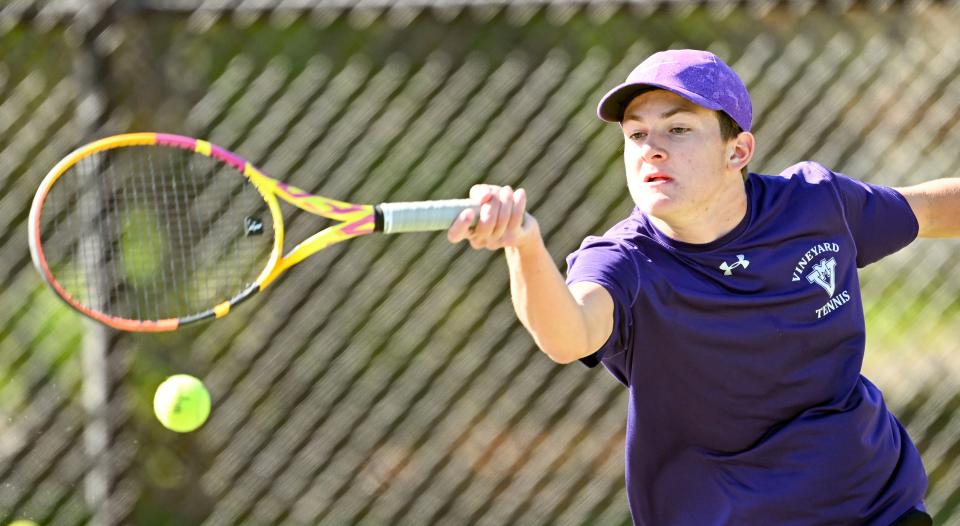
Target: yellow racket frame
pixel 355 220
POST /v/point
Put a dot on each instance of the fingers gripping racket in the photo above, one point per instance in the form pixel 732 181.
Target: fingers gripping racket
pixel 150 231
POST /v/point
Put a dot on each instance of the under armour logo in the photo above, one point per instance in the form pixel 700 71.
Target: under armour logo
pixel 825 275
pixel 741 262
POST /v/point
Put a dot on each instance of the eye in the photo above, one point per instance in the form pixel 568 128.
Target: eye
pixel 637 135
pixel 679 130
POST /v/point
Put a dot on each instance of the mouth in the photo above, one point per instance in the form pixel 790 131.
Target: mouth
pixel 657 177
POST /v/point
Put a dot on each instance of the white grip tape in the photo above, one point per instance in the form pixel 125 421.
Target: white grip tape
pixel 422 216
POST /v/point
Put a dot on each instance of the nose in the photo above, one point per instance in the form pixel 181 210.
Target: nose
pixel 651 151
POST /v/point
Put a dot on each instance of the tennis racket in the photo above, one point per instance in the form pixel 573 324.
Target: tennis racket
pixel 150 232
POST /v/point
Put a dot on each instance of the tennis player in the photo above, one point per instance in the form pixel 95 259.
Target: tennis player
pixel 729 306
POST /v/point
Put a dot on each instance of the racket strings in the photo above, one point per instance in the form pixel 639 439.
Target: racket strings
pixel 152 233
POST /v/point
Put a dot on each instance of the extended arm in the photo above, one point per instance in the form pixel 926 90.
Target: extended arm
pixel 566 323
pixel 937 206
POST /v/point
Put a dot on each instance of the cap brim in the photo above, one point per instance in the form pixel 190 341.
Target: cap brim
pixel 615 102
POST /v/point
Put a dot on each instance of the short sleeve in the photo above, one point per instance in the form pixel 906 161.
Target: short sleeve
pixel 611 264
pixel 879 217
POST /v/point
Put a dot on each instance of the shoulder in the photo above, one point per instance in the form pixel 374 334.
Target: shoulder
pixel 806 181
pixel 614 246
pixel 612 257
pixel 847 190
pixel 802 174
pixel 810 174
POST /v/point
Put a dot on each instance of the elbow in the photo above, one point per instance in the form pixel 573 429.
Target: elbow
pixel 563 360
pixel 565 348
pixel 565 354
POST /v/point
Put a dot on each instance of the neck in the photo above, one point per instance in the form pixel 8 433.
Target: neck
pixel 709 222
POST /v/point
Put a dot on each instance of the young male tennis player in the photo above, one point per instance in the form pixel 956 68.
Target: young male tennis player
pixel 729 306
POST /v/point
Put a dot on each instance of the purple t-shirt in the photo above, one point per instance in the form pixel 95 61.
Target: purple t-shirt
pixel 742 358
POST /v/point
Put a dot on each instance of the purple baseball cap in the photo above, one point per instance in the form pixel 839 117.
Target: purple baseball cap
pixel 698 76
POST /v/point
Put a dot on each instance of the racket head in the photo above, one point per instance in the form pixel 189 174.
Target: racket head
pixel 148 232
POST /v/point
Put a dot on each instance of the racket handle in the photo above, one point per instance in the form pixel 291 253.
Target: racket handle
pixel 420 216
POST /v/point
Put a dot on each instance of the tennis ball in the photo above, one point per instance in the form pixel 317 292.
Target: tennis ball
pixel 23 522
pixel 181 403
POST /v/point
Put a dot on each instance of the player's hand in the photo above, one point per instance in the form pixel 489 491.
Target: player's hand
pixel 502 220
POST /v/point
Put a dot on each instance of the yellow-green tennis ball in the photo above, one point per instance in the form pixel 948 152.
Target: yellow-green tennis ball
pixel 181 403
pixel 23 522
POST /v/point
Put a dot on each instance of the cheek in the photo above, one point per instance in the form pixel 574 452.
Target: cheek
pixel 631 156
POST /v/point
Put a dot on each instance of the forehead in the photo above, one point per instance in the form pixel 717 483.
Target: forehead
pixel 659 102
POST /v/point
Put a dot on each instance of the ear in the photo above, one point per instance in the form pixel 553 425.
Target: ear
pixel 740 151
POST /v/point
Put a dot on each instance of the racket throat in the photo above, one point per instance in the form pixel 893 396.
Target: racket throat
pixel 378 219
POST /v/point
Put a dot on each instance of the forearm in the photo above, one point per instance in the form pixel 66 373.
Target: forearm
pixel 937 206
pixel 566 323
pixel 559 323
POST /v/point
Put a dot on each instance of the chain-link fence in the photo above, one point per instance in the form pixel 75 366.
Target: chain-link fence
pixel 386 381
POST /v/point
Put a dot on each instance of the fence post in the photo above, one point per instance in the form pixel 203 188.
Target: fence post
pixel 99 434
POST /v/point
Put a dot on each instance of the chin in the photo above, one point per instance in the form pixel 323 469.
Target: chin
pixel 657 205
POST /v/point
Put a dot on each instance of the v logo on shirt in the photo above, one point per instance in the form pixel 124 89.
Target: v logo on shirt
pixel 825 275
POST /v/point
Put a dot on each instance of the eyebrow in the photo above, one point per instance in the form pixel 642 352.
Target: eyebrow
pixel 680 108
